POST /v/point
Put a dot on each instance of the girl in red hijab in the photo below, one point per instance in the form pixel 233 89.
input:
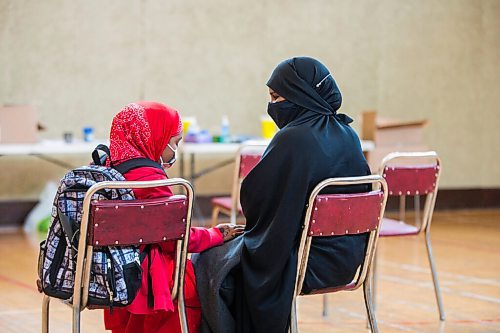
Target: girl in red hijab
pixel 152 130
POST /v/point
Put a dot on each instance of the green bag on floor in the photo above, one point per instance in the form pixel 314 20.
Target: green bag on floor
pixel 43 224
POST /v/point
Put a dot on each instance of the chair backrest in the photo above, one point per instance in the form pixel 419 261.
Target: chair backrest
pixel 413 174
pixel 248 160
pixel 147 221
pixel 343 214
pixel 248 156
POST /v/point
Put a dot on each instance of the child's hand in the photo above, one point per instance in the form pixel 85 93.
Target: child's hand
pixel 230 231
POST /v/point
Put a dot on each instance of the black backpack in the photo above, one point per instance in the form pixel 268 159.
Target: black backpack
pixel 116 272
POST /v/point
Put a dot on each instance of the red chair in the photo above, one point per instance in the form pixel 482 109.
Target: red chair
pixel 247 158
pixel 413 174
pixel 103 225
pixel 342 214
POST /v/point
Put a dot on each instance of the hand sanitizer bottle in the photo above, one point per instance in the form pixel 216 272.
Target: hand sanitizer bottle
pixel 224 129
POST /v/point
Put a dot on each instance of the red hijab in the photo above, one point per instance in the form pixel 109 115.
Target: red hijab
pixel 143 129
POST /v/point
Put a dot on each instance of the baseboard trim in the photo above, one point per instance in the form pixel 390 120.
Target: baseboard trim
pixel 468 198
pixel 13 213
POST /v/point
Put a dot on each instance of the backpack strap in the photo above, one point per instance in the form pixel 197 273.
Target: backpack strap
pixel 146 252
pixel 151 297
pixel 70 228
pixel 136 163
pixel 100 154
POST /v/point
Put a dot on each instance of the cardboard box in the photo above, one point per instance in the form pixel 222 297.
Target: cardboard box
pixel 18 124
pixel 390 136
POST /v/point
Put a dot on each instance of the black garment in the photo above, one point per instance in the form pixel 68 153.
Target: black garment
pixel 314 145
pixel 308 83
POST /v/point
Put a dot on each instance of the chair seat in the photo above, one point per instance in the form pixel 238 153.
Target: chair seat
pixel 224 202
pixel 391 227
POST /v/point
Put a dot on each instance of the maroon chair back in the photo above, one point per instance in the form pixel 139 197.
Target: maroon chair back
pixel 247 163
pixel 345 214
pixel 412 174
pixel 342 214
pixel 147 221
pixel 411 180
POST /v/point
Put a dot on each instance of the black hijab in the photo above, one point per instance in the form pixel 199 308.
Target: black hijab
pixel 307 83
pixel 314 143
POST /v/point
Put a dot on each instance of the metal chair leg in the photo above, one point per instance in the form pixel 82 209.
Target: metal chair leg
pixel 373 277
pixel 418 220
pixel 294 327
pixel 373 286
pixel 402 208
pixel 233 217
pixel 325 305
pixel 434 276
pixel 76 319
pixel 182 314
pixel 45 314
pixel 215 216
pixel 369 304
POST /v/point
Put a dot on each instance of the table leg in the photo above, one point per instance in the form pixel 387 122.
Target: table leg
pixel 198 215
pixel 191 170
pixel 181 165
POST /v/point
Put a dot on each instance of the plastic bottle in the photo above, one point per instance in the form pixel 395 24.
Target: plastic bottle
pixel 224 129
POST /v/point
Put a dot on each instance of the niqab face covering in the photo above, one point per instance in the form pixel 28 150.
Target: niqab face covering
pixel 283 112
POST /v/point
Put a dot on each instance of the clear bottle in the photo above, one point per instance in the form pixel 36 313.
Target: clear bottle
pixel 224 129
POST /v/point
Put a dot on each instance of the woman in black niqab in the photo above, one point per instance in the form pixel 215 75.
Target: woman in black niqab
pixel 314 143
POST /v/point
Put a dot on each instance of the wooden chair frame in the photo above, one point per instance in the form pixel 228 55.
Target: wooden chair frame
pixel 422 223
pixel 85 250
pixel 364 274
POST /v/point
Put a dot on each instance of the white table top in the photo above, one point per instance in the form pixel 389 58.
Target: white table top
pixel 46 147
pixel 59 147
pixel 221 148
pixel 215 148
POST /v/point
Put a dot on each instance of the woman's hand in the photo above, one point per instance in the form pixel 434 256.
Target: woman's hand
pixel 230 231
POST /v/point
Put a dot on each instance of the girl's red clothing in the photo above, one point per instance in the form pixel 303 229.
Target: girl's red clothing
pixel 143 130
pixel 164 317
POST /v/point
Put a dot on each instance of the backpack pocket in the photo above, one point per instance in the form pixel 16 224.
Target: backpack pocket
pixel 41 258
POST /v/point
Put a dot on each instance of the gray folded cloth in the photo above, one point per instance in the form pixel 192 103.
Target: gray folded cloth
pixel 214 290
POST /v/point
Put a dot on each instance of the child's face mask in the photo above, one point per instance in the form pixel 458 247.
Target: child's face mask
pixel 169 163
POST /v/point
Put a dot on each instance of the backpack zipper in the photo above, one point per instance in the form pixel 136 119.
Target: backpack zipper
pixel 110 281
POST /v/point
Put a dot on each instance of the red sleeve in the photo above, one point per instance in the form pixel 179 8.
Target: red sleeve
pixel 201 239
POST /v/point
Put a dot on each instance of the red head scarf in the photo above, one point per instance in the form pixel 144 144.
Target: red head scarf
pixel 143 129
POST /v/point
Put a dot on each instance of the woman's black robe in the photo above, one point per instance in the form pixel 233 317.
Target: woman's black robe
pixel 258 290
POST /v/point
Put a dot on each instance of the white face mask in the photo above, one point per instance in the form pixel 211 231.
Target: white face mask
pixel 168 164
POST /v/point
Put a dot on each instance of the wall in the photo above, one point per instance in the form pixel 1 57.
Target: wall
pixel 79 62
